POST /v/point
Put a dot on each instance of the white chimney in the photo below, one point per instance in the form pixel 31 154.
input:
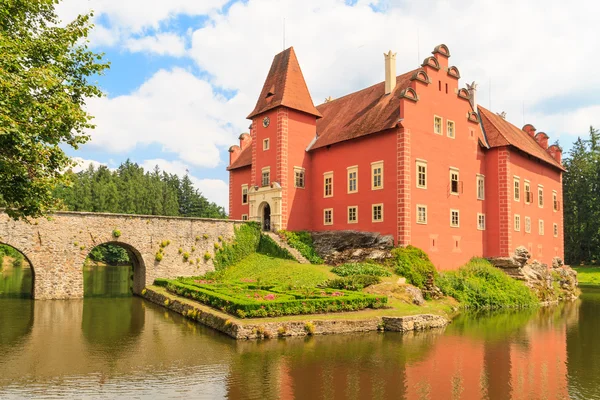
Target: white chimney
pixel 472 88
pixel 390 71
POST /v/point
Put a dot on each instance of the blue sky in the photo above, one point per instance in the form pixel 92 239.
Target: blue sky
pixel 185 73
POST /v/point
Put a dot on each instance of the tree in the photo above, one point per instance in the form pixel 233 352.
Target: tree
pixel 45 72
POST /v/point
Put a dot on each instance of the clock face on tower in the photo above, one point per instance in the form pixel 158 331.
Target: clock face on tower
pixel 266 121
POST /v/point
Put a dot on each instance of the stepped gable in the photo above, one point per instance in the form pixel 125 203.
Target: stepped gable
pixel 361 113
pixel 500 132
pixel 244 159
pixel 285 86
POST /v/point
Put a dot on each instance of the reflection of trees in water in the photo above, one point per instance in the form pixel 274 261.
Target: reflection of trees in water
pixel 16 322
pixel 16 282
pixel 107 281
pixel 111 325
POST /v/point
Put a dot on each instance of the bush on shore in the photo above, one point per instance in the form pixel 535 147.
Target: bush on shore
pixel 413 264
pixel 478 284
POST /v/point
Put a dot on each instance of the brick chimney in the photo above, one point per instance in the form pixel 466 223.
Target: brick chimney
pixel 234 153
pixel 390 72
pixel 245 140
pixel 542 139
pixel 530 129
pixel 556 152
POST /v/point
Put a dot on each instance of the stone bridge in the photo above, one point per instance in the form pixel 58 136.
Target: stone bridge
pixel 57 246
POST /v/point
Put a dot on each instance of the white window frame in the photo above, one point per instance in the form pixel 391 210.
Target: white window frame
pixel 480 218
pixel 555 229
pixel 448 124
pixel 350 170
pixel 421 163
pixel 527 224
pixel 517 222
pixel 419 207
pixel 541 227
pixel 480 178
pixel 454 170
pixel 373 212
pixel 435 130
pixel 244 187
pixel 266 144
pixel 526 185
pixel 355 214
pixel 516 188
pixel 327 175
pixel 302 172
pixel 452 225
pixel 540 196
pixel 325 211
pixel 554 200
pixel 374 166
pixel 244 217
pixel 266 170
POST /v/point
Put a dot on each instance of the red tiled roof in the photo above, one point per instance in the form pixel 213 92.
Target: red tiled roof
pixel 285 86
pixel 360 113
pixel 243 160
pixel 500 132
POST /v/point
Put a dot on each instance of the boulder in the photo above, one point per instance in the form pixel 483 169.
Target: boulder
pixel 338 247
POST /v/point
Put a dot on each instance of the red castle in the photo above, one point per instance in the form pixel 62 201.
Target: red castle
pixel 413 156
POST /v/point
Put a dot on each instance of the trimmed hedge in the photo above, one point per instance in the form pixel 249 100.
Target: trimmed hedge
pixel 413 264
pixel 246 241
pixel 225 299
pixel 361 269
pixel 302 241
pixel 353 282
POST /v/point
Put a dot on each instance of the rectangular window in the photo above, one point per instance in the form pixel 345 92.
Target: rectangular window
pixel 266 177
pixel 480 187
pixel 352 214
pixel 437 125
pixel 377 175
pixel 377 212
pixel 352 179
pixel 481 222
pixel 328 216
pixel 422 174
pixel 244 194
pixel 244 217
pixel 541 227
pixel 450 129
pixel 517 188
pixel 540 196
pixel 555 229
pixel 527 225
pixel 517 222
pixel 328 184
pixel 528 195
pixel 454 219
pixel 555 205
pixel 454 183
pixel 421 214
pixel 266 144
pixel 299 177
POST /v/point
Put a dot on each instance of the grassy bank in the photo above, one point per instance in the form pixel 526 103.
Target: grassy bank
pixel 588 275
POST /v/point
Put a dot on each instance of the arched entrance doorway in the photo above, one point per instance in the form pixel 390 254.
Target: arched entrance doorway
pixel 264 211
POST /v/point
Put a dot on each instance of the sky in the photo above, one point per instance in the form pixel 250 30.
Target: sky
pixel 185 73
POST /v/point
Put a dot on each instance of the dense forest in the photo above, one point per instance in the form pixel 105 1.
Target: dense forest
pixel 581 197
pixel 131 190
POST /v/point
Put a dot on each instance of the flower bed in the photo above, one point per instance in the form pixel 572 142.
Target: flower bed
pixel 267 301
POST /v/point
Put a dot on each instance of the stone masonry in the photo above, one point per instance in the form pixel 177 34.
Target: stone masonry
pixel 57 246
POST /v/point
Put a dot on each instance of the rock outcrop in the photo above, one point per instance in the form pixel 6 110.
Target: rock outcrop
pixel 558 282
pixel 338 247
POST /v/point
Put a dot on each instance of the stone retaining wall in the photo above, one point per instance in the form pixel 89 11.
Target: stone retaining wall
pixel 251 329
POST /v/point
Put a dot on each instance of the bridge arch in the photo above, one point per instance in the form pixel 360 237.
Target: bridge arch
pixel 30 280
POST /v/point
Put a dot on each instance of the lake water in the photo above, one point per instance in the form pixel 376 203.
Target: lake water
pixel 126 347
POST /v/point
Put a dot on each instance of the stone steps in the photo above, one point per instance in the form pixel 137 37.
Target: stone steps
pixel 283 244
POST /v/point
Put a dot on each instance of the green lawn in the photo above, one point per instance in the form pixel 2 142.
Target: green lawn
pixel 588 276
pixel 276 270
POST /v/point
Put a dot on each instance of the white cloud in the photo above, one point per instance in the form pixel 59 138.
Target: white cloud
pixel 173 109
pixel 161 44
pixel 83 164
pixel 215 190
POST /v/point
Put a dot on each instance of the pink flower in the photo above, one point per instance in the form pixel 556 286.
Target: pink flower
pixel 270 297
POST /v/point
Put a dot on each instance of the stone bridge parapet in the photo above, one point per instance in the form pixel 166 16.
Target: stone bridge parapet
pixel 57 246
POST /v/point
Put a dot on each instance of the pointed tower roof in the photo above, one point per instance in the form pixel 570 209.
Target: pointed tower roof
pixel 285 86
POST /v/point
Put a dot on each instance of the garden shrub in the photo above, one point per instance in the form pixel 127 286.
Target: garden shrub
pixel 361 269
pixel 269 247
pixel 478 284
pixel 250 301
pixel 245 242
pixel 353 282
pixel 413 264
pixel 302 241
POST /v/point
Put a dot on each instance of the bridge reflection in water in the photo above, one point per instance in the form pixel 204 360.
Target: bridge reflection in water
pixel 126 347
